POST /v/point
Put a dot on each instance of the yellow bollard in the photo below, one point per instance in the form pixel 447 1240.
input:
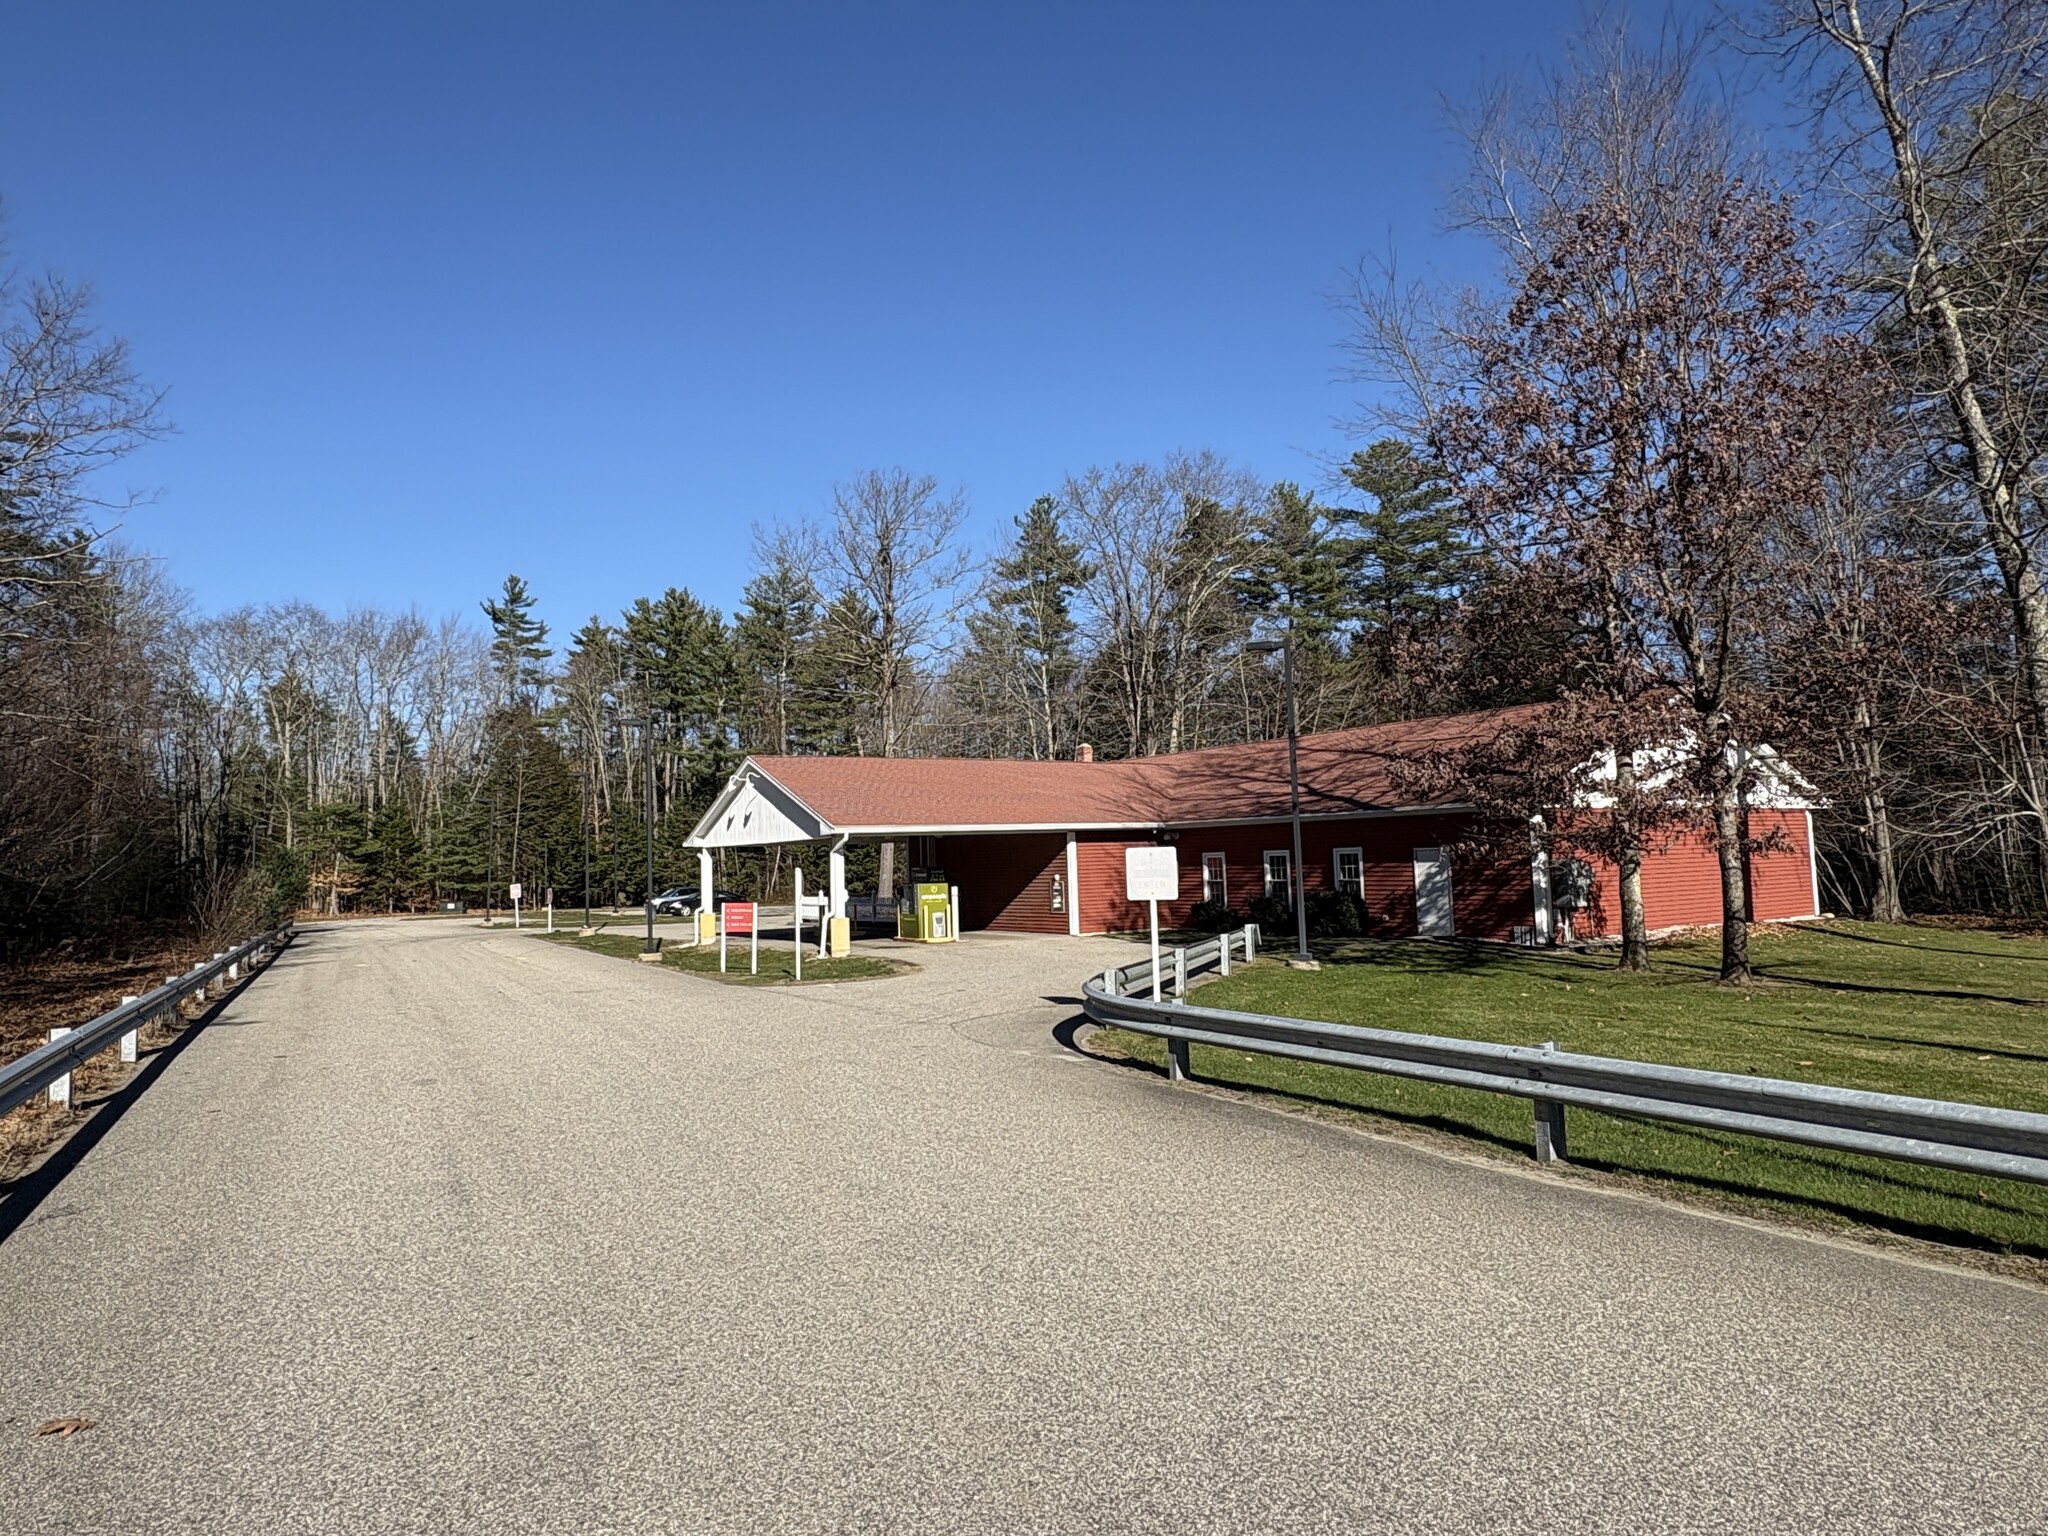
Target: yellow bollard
pixel 841 937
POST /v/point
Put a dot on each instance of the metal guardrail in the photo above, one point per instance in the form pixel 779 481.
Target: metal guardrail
pixel 1178 964
pixel 68 1049
pixel 1977 1138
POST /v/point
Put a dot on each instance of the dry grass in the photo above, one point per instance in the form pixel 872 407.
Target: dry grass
pixel 66 989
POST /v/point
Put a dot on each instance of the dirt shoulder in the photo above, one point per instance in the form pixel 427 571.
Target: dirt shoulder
pixel 66 989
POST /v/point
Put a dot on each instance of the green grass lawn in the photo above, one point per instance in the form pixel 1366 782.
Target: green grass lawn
pixel 777 962
pixel 1939 1012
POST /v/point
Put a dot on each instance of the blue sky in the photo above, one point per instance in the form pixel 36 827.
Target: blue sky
pixel 585 291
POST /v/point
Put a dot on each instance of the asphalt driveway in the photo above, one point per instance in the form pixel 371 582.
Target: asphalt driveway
pixel 443 1230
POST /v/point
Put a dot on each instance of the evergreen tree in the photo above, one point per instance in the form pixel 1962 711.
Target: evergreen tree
pixel 1410 560
pixel 1297 566
pixel 394 867
pixel 772 637
pixel 519 644
pixel 1032 621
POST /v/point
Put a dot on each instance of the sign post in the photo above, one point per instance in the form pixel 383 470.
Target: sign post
pixel 799 950
pixel 551 909
pixel 1152 875
pixel 739 918
pixel 516 888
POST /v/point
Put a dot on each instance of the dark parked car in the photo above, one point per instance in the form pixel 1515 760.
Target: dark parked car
pixel 681 900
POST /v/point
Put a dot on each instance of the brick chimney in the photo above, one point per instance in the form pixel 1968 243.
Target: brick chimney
pixel 1084 753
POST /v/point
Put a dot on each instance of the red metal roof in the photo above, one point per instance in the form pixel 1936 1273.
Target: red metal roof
pixel 1342 772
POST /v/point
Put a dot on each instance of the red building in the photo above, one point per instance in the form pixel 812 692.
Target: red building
pixel 1037 847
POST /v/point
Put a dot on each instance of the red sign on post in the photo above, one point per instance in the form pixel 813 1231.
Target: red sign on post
pixel 739 918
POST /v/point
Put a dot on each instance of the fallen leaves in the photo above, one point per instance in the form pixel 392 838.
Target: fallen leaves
pixel 64 1429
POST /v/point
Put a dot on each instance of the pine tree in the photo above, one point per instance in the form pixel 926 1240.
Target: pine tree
pixel 772 635
pixel 1410 560
pixel 1033 610
pixel 1297 566
pixel 519 645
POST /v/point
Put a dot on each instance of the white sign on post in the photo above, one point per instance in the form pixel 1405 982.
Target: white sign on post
pixel 1152 875
pixel 515 903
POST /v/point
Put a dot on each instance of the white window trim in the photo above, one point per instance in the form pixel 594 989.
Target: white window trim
pixel 1286 892
pixel 1222 891
pixel 1337 872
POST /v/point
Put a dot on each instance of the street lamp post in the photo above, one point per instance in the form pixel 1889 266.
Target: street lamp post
pixel 1286 649
pixel 586 849
pixel 647 735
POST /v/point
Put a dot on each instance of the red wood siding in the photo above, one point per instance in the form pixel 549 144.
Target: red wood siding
pixel 1781 883
pixel 1005 879
pixel 1682 883
pixel 1487 901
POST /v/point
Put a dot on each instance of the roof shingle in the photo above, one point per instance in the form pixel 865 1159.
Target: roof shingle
pixel 1349 771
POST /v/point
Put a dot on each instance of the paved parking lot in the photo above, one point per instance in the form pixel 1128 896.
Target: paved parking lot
pixel 444 1230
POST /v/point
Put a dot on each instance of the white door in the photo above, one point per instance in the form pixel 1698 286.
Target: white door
pixel 1433 893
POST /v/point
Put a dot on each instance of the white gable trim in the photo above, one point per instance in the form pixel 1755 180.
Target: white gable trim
pixel 753 810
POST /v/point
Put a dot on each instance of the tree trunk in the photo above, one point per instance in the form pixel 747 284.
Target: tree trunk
pixel 1933 306
pixel 1635 927
pixel 1885 903
pixel 1734 879
pixel 1635 931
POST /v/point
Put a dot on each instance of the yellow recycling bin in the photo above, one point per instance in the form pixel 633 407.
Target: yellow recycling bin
pixel 927 917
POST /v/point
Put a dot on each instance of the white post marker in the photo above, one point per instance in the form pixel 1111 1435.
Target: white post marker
pixel 551 909
pixel 722 920
pixel 799 951
pixel 60 1090
pixel 515 903
pixel 1152 875
pixel 952 912
pixel 128 1040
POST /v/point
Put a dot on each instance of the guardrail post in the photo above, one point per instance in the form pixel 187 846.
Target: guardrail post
pixel 1223 952
pixel 1549 1124
pixel 1177 1069
pixel 1109 981
pixel 1251 942
pixel 60 1089
pixel 234 970
pixel 128 1040
pixel 1180 973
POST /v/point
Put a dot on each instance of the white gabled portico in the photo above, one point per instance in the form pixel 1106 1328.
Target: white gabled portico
pixel 754 811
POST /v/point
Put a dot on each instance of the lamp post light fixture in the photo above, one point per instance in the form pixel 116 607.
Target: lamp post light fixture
pixel 1303 960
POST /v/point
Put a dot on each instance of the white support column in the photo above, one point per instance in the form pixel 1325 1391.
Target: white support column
pixel 836 866
pixel 1813 863
pixel 1539 880
pixel 1073 887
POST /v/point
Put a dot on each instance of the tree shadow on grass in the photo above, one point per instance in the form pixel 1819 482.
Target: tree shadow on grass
pixel 1067 1032
pixel 1861 1215
pixel 1745 1191
pixel 1960 1047
pixel 1872 989
pixel 1454 957
pixel 1932 949
pixel 1441 957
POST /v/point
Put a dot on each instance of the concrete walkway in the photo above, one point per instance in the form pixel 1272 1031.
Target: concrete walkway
pixel 438 1230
